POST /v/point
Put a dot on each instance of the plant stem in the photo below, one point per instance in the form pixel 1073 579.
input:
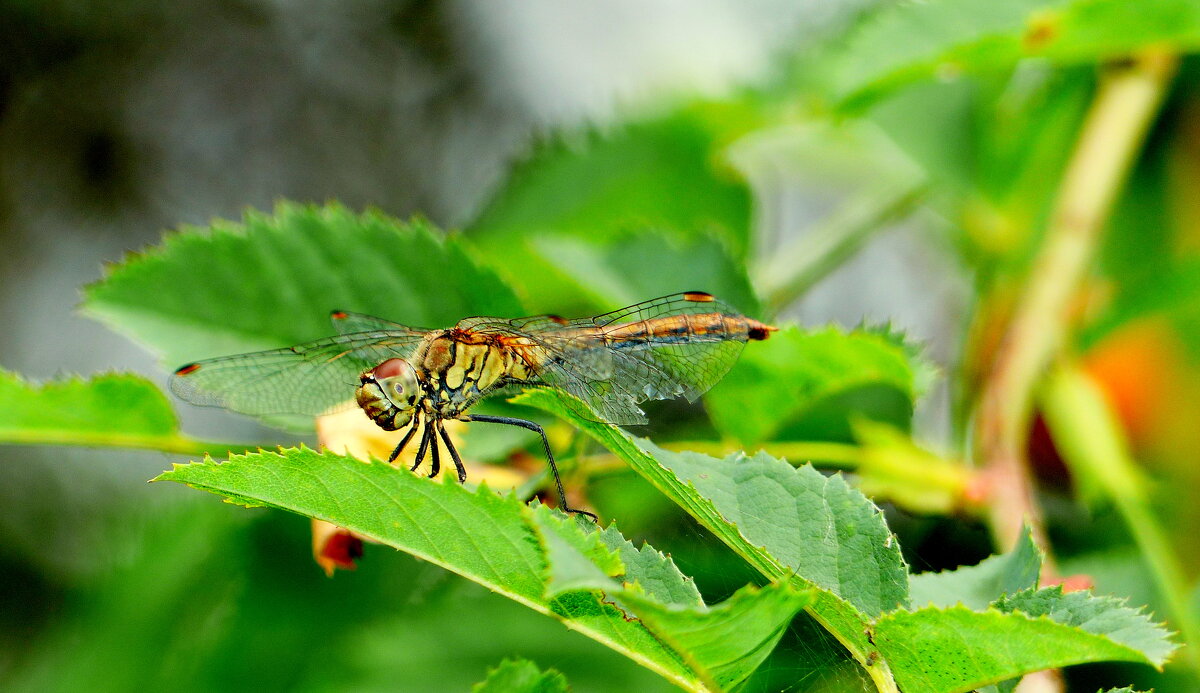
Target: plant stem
pixel 1124 106
pixel 795 268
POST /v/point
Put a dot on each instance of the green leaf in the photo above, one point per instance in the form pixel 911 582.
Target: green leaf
pixel 907 42
pixel 726 642
pixel 662 173
pixel 272 281
pixel 1098 615
pixel 977 586
pixel 530 555
pixel 652 572
pixel 777 382
pixel 576 560
pixel 945 650
pixel 108 410
pixel 630 268
pixel 521 676
pixel 722 645
pixel 789 523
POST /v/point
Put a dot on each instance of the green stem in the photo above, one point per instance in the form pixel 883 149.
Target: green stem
pixel 1112 134
pixel 797 267
pixel 172 444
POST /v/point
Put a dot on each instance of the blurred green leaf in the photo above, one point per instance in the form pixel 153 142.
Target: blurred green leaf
pixel 1092 441
pixel 541 560
pixel 664 173
pixel 108 410
pixel 1033 630
pixel 891 466
pixel 904 43
pixel 1172 292
pixel 521 676
pixel 977 586
pixel 630 268
pixel 272 280
pixel 778 381
pixel 159 599
pixel 789 523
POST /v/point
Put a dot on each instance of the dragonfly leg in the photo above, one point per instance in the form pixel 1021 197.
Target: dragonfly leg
pixel 529 425
pixel 412 430
pixel 435 456
pixel 421 450
pixel 458 465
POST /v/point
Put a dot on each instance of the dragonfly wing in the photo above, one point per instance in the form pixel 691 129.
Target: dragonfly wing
pixel 654 347
pixel 309 379
pixel 617 360
pixel 348 322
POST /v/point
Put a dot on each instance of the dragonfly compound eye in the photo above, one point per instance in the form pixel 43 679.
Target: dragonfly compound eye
pixel 398 380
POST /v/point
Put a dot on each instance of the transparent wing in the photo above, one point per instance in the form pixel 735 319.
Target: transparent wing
pixel 347 322
pixel 309 379
pixel 674 346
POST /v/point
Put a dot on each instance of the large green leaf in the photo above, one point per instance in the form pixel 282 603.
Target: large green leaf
pixel 779 381
pixel 790 523
pixel 946 650
pixel 521 676
pixel 108 410
pixel 271 281
pixel 977 586
pixel 906 42
pixel 546 562
pixel 630 268
pixel 664 173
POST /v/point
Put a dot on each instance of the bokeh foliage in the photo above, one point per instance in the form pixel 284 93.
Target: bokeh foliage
pixel 986 102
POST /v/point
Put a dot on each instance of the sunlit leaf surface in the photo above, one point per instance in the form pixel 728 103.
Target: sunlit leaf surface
pixel 548 562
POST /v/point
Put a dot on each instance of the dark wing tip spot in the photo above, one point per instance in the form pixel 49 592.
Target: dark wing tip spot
pixel 188 369
pixel 698 296
pixel 558 319
pixel 338 315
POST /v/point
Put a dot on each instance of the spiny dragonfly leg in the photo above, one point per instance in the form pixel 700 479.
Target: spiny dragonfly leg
pixel 529 425
pixel 435 457
pixel 421 450
pixel 412 430
pixel 458 465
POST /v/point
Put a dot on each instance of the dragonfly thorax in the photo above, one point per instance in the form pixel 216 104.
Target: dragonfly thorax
pixel 389 393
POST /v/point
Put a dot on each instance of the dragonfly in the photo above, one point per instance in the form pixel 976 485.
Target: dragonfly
pixel 413 379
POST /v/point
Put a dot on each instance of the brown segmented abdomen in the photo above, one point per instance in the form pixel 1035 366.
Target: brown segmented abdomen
pixel 683 329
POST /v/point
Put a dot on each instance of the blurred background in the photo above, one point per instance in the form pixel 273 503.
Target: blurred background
pixel 914 206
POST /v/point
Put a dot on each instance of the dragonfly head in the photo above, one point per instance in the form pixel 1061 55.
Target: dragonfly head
pixel 389 393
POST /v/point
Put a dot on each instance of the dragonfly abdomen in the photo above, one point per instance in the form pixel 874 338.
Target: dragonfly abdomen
pixel 686 329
